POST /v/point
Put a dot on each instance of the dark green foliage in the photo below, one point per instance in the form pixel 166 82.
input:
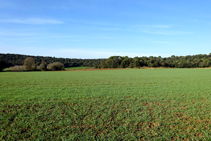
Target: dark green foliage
pixel 126 62
pixel 136 62
pixel 96 66
pixel 194 61
pixel 2 65
pixel 113 62
pixel 17 59
pixel 103 64
pixel 55 66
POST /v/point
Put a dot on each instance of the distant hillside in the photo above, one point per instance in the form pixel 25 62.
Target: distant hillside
pixel 18 59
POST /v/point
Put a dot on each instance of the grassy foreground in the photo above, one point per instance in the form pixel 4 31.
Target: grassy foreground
pixel 128 104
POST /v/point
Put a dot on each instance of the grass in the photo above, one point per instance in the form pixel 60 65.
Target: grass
pixel 126 104
pixel 5 69
pixel 76 68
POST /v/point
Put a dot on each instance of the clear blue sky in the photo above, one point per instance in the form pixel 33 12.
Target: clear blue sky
pixel 103 28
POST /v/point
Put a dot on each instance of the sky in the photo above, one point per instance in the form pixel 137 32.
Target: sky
pixel 91 29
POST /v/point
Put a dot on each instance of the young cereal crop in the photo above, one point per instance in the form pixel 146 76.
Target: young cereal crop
pixel 127 104
pixel 77 68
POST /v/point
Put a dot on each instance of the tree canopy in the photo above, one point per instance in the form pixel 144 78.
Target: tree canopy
pixel 17 59
pixel 189 61
pixel 195 61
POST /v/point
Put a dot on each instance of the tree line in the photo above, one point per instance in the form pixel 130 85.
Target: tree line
pixel 189 61
pixel 18 59
pixel 194 61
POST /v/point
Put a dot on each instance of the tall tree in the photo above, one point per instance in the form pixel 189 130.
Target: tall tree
pixel 29 63
pixel 113 62
pixel 126 62
pixel 136 62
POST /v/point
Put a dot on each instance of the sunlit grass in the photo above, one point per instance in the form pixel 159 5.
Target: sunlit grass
pixel 5 69
pixel 127 104
pixel 75 68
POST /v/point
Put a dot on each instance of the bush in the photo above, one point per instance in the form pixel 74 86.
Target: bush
pixel 17 68
pixel 55 66
pixel 29 64
pixel 42 66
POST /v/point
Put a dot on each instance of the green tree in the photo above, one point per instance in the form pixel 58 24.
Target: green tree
pixel 103 64
pixel 126 62
pixel 113 62
pixel 136 62
pixel 202 64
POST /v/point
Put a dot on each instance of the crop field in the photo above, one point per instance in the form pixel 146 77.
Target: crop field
pixel 76 68
pixel 125 104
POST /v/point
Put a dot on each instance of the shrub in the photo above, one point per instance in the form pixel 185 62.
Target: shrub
pixel 42 66
pixel 55 66
pixel 29 64
pixel 17 68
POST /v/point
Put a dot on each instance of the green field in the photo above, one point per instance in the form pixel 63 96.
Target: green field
pixel 76 68
pixel 5 69
pixel 126 104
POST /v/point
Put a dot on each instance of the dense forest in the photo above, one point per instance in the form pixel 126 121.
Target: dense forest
pixel 17 59
pixel 190 61
pixel 195 61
